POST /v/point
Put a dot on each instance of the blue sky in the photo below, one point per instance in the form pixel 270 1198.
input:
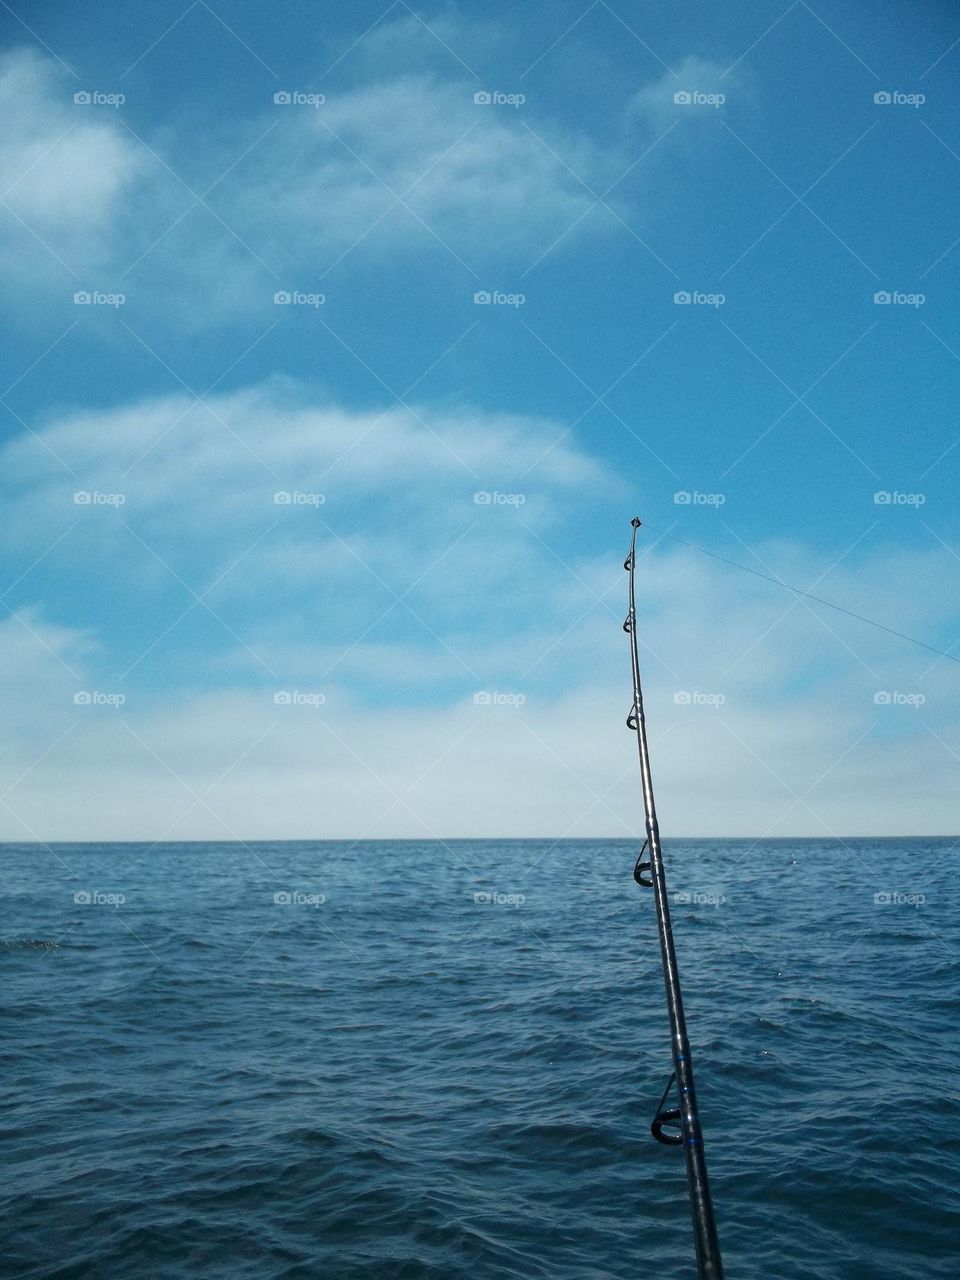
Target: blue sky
pixel 589 198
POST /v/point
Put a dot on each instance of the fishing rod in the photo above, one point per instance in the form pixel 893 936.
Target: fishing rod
pixel 690 1137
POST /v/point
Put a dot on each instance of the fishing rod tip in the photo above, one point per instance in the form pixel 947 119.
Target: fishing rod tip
pixel 635 522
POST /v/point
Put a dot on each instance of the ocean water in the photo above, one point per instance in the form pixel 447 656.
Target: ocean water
pixel 402 1059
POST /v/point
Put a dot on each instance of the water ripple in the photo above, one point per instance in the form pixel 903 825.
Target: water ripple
pixel 441 1060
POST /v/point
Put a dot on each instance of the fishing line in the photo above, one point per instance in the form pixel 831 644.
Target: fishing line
pixel 902 635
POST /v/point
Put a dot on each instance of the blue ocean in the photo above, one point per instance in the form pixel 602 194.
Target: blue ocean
pixel 441 1059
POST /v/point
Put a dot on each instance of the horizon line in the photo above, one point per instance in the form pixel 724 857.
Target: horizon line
pixel 441 840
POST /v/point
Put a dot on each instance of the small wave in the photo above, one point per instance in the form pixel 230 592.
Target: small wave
pixel 29 944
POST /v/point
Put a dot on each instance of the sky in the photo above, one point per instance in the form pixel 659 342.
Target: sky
pixel 339 345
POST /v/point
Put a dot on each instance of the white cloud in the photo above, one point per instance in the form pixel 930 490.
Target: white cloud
pixel 553 766
pixel 407 165
pixel 291 188
pixel 216 465
pixel 61 164
pixel 295 187
pixel 186 494
pixel 500 613
pixel 65 170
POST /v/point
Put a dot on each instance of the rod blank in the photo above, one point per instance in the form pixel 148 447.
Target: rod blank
pixel 710 1266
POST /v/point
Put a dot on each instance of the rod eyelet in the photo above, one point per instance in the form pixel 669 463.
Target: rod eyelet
pixel 670 1116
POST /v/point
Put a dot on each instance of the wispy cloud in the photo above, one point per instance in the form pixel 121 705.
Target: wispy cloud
pixel 394 165
pixel 400 610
